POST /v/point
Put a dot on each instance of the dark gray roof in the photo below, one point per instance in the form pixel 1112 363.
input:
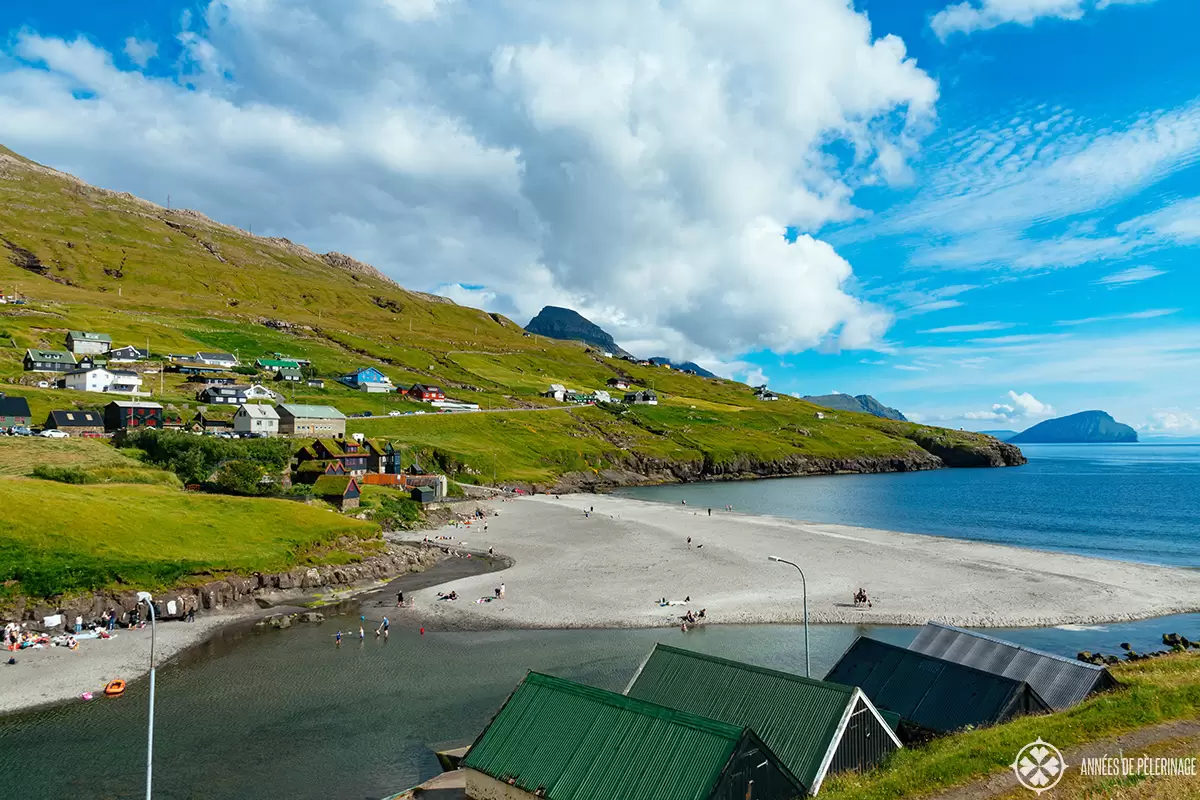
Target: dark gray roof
pixel 1061 682
pixel 76 418
pixel 931 692
pixel 13 406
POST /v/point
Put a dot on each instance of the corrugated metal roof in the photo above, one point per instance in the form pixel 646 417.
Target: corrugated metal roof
pixel 796 717
pixel 1061 682
pixel 581 743
pixel 927 691
pixel 312 412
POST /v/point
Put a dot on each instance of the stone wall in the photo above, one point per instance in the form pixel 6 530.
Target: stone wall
pixel 236 589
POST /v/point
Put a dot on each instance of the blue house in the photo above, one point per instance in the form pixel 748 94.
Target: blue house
pixel 368 379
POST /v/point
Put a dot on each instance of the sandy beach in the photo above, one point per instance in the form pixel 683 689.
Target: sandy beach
pixel 611 569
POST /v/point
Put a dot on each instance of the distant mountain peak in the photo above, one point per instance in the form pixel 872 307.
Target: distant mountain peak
pixel 567 324
pixel 683 365
pixel 1082 428
pixel 862 403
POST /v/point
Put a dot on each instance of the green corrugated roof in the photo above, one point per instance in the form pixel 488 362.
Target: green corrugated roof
pixel 50 355
pixel 278 363
pixel 312 412
pixel 90 336
pixel 796 717
pixel 581 743
pixel 929 692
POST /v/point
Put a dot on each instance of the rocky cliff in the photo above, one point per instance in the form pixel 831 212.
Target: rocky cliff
pixel 1082 428
pixel 563 323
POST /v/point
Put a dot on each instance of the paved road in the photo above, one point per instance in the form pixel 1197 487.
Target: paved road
pixel 564 407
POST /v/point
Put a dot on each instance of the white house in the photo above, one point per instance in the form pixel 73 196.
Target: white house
pixel 99 379
pixel 601 396
pixel 226 360
pixel 557 391
pixel 259 392
pixel 256 418
pixel 82 342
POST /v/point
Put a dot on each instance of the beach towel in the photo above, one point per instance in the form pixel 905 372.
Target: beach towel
pixel 52 621
pixel 171 607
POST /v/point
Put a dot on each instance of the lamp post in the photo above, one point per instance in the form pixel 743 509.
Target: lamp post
pixel 804 587
pixel 149 601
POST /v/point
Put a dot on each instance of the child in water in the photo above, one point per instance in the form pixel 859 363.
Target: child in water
pixel 338 637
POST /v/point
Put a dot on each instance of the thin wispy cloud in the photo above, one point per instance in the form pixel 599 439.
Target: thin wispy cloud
pixel 971 16
pixel 1131 275
pixel 1149 314
pixel 911 368
pixel 974 327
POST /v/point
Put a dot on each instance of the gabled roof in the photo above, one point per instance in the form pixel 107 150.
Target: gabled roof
pixel 1061 682
pixel 581 743
pixel 133 404
pixel 800 719
pixel 291 372
pixel 259 411
pixel 13 406
pixel 224 390
pixel 123 373
pixel 50 355
pixel 217 356
pixel 311 412
pixel 136 350
pixel 929 692
pixel 90 336
pixel 278 362
pixel 333 485
pixel 216 414
pixel 85 370
pixel 76 419
pixel 426 387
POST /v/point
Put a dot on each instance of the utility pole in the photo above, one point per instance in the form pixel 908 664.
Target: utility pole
pixel 168 201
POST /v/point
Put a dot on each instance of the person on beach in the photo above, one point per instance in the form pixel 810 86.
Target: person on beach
pixel 79 624
pixel 362 635
pixel 399 599
pixel 710 512
pixel 502 591
pixel 384 627
pixel 337 637
pixel 689 542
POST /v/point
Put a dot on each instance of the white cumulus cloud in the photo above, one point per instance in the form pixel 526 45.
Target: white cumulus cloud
pixel 636 161
pixel 981 15
pixel 140 51
pixel 1020 408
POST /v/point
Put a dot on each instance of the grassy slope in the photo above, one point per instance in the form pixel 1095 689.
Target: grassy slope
pixel 91 537
pixel 18 456
pixel 1155 691
pixel 116 264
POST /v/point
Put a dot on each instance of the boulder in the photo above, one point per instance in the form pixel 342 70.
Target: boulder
pixel 311 616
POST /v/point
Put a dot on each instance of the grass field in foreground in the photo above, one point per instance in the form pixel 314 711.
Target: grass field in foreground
pixel 1156 690
pixel 57 538
pixel 20 454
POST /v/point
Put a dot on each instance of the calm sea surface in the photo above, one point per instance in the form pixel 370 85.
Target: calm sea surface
pixel 1136 502
pixel 287 714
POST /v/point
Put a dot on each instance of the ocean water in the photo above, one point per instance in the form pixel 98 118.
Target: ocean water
pixel 1138 502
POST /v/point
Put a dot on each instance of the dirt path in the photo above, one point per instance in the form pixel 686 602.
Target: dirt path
pixel 1001 783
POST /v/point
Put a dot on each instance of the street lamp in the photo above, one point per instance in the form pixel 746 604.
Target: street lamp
pixel 803 586
pixel 144 597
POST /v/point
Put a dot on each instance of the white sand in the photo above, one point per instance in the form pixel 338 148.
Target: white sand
pixel 610 570
pixel 53 674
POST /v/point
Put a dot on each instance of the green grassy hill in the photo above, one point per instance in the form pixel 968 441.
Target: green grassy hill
pixel 87 258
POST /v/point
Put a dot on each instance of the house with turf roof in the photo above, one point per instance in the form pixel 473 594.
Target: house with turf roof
pixel 814 727
pixel 304 420
pixel 307 472
pixel 341 490
pixel 210 420
pixel 932 695
pixel 558 739
pixel 356 457
pixel 49 360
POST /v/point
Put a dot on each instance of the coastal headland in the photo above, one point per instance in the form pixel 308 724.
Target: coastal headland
pixel 612 566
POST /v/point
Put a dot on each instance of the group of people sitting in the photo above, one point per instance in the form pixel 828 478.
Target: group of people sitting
pixel 860 598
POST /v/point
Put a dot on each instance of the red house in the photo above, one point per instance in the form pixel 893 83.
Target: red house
pixel 425 393
pixel 123 414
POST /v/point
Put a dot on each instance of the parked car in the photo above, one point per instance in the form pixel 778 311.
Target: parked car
pixel 54 433
pixel 19 430
pixel 361 414
pixel 395 413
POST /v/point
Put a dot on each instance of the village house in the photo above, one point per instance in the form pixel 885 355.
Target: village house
pixel 81 342
pixel 305 420
pixel 315 383
pixel 356 457
pixel 226 360
pixel 618 383
pixel 127 355
pixel 257 417
pixel 256 391
pixel 426 393
pixel 341 490
pixel 556 391
pixel 601 396
pixel 172 419
pixel 368 379
pixel 76 423
pixel 289 374
pixel 13 411
pixel 99 379
pixel 308 472
pixel 194 368
pixel 228 395
pixel 209 420
pixel 126 414
pixel 644 397
pixel 49 360
pixel 271 364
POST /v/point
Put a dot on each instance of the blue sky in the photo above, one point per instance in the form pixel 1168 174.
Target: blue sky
pixel 998 201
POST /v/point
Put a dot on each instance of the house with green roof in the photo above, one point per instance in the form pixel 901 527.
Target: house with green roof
pixel 272 364
pixel 562 740
pixel 357 457
pixel 49 360
pixel 341 490
pixel 303 420
pixel 87 342
pixel 814 727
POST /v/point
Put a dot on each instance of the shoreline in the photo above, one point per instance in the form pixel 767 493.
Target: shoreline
pixel 609 569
